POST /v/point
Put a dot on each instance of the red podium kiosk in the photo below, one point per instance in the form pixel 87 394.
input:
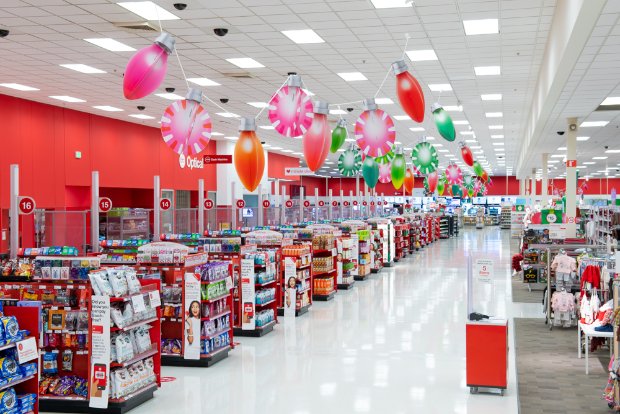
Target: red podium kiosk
pixel 487 354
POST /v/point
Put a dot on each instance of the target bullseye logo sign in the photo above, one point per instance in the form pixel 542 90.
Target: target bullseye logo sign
pixel 334 203
pixel 364 203
pixel 354 202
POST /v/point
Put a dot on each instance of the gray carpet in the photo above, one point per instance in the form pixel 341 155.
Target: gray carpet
pixel 551 378
pixel 520 293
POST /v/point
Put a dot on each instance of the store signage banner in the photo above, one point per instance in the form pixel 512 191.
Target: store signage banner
pixel 217 159
pixel 557 231
pixel 100 352
pixel 191 325
pixel 248 293
pixel 190 162
pixel 483 270
pixel 298 171
pixel 290 293
pixel 355 253
pixel 339 269
pixel 551 216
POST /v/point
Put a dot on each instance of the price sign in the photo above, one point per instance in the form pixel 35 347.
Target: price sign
pixel 266 203
pixel 240 203
pixel 154 298
pixel 321 203
pixel 334 203
pixel 165 204
pixel 26 205
pixel 209 204
pixel 105 204
pixel 571 163
pixel 306 203
pixel 289 203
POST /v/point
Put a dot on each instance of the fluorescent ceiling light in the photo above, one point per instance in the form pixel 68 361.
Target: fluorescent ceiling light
pixel 421 55
pixel 108 108
pixel 110 44
pixel 440 87
pixel 227 115
pixel 349 140
pixel 561 148
pixel 553 162
pixel 494 114
pixel 430 138
pixel 587 124
pixel 416 129
pixel 82 68
pixel 266 127
pixel 480 27
pixel 245 63
pixel 438 145
pixel 352 76
pixel 148 10
pixel 264 145
pixel 258 104
pixel 390 4
pixel 475 147
pixel 216 134
pixel 611 100
pixel 337 112
pixel 18 86
pixel 402 118
pixel 491 97
pixel 276 148
pixel 453 108
pixel 470 140
pixel 461 122
pixel 583 138
pixel 203 82
pixel 496 127
pixel 467 132
pixel 599 158
pixel 487 70
pixel 498 143
pixel 298 153
pixel 558 156
pixel 383 101
pixel 497 136
pixel 303 36
pixel 443 150
pixel 341 150
pixel 170 96
pixel 589 163
pixel 143 116
pixel 67 98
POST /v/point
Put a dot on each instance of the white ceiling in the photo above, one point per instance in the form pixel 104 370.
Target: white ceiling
pixel 358 37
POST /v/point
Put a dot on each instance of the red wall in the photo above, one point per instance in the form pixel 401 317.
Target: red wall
pixel 277 163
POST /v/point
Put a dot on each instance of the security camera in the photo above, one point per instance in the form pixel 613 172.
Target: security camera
pixel 573 127
pixel 4 32
pixel 224 100
pixel 560 132
pixel 170 90
pixel 180 6
pixel 141 108
pixel 291 73
pixel 220 31
pixel 606 146
pixel 350 109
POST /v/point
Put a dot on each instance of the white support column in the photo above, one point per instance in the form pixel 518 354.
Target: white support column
pixel 276 193
pixel 283 206
pixel 571 176
pixel 259 209
pixel 14 212
pixel 341 203
pixel 301 204
pixel 545 181
pixel 94 212
pixel 316 204
pixel 156 208
pixel 331 207
pixel 233 206
pixel 201 206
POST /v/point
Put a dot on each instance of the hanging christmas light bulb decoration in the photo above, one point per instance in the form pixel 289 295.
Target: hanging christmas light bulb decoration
pixel 339 135
pixel 484 176
pixel 385 173
pixel 456 190
pixel 374 130
pixel 433 180
pixel 290 109
pixel 443 122
pixel 441 186
pixel 466 154
pixel 409 91
pixel 470 192
pixel 249 157
pixel 399 168
pixel 478 170
pixel 424 156
pixel 454 175
pixel 316 140
pixel 186 125
pixel 147 68
pixel 370 172
pixel 349 162
pixel 409 181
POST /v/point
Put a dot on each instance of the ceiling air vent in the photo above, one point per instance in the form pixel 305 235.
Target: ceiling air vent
pixel 143 26
pixel 605 108
pixel 237 75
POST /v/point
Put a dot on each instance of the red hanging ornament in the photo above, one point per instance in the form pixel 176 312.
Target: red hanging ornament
pixel 433 180
pixel 317 140
pixel 467 155
pixel 249 157
pixel 409 91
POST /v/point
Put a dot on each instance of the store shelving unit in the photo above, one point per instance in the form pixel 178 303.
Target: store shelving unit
pixel 506 217
pixel 191 240
pixel 376 251
pixel 364 263
pixel 125 224
pixel 324 279
pixel 517 215
pixel 444 227
pixel 120 252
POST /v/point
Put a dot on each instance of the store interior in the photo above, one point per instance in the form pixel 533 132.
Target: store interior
pixel 309 206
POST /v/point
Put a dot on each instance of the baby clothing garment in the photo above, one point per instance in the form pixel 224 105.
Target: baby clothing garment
pixel 563 263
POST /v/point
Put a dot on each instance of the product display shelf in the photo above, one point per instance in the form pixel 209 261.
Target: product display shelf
pixel 347 263
pixel 257 294
pixel 364 261
pixel 120 252
pixel 324 279
pixel 191 240
pixel 386 228
pixel 506 217
pixel 125 224
pixel 376 252
pixel 299 260
pixel 444 227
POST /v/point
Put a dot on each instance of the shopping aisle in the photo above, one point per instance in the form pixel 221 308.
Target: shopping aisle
pixel 395 344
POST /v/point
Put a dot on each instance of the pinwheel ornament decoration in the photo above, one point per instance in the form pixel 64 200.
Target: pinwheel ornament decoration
pixel 349 163
pixel 454 175
pixel 147 68
pixel 424 156
pixel 186 125
pixel 409 91
pixel 374 130
pixel 249 157
pixel 290 109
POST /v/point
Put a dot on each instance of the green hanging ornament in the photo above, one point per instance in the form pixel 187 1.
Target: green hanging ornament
pixel 385 159
pixel 424 157
pixel 470 192
pixel 443 121
pixel 478 170
pixel 370 172
pixel 456 190
pixel 339 135
pixel 349 162
pixel 399 168
pixel 441 186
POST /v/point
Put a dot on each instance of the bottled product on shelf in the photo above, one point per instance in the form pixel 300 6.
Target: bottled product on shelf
pixel 190 240
pixel 324 269
pixel 125 224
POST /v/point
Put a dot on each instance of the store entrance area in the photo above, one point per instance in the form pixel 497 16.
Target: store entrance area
pixel 395 344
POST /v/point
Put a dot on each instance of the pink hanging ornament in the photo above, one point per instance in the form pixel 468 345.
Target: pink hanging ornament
pixel 385 173
pixel 317 140
pixel 186 125
pixel 146 69
pixel 433 180
pixel 290 110
pixel 454 174
pixel 374 130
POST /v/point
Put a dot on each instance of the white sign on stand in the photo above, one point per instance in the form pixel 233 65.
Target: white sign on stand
pixel 483 270
pixel 100 352
pixel 248 293
pixel 27 350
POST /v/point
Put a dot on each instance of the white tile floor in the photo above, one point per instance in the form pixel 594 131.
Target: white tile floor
pixel 394 344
